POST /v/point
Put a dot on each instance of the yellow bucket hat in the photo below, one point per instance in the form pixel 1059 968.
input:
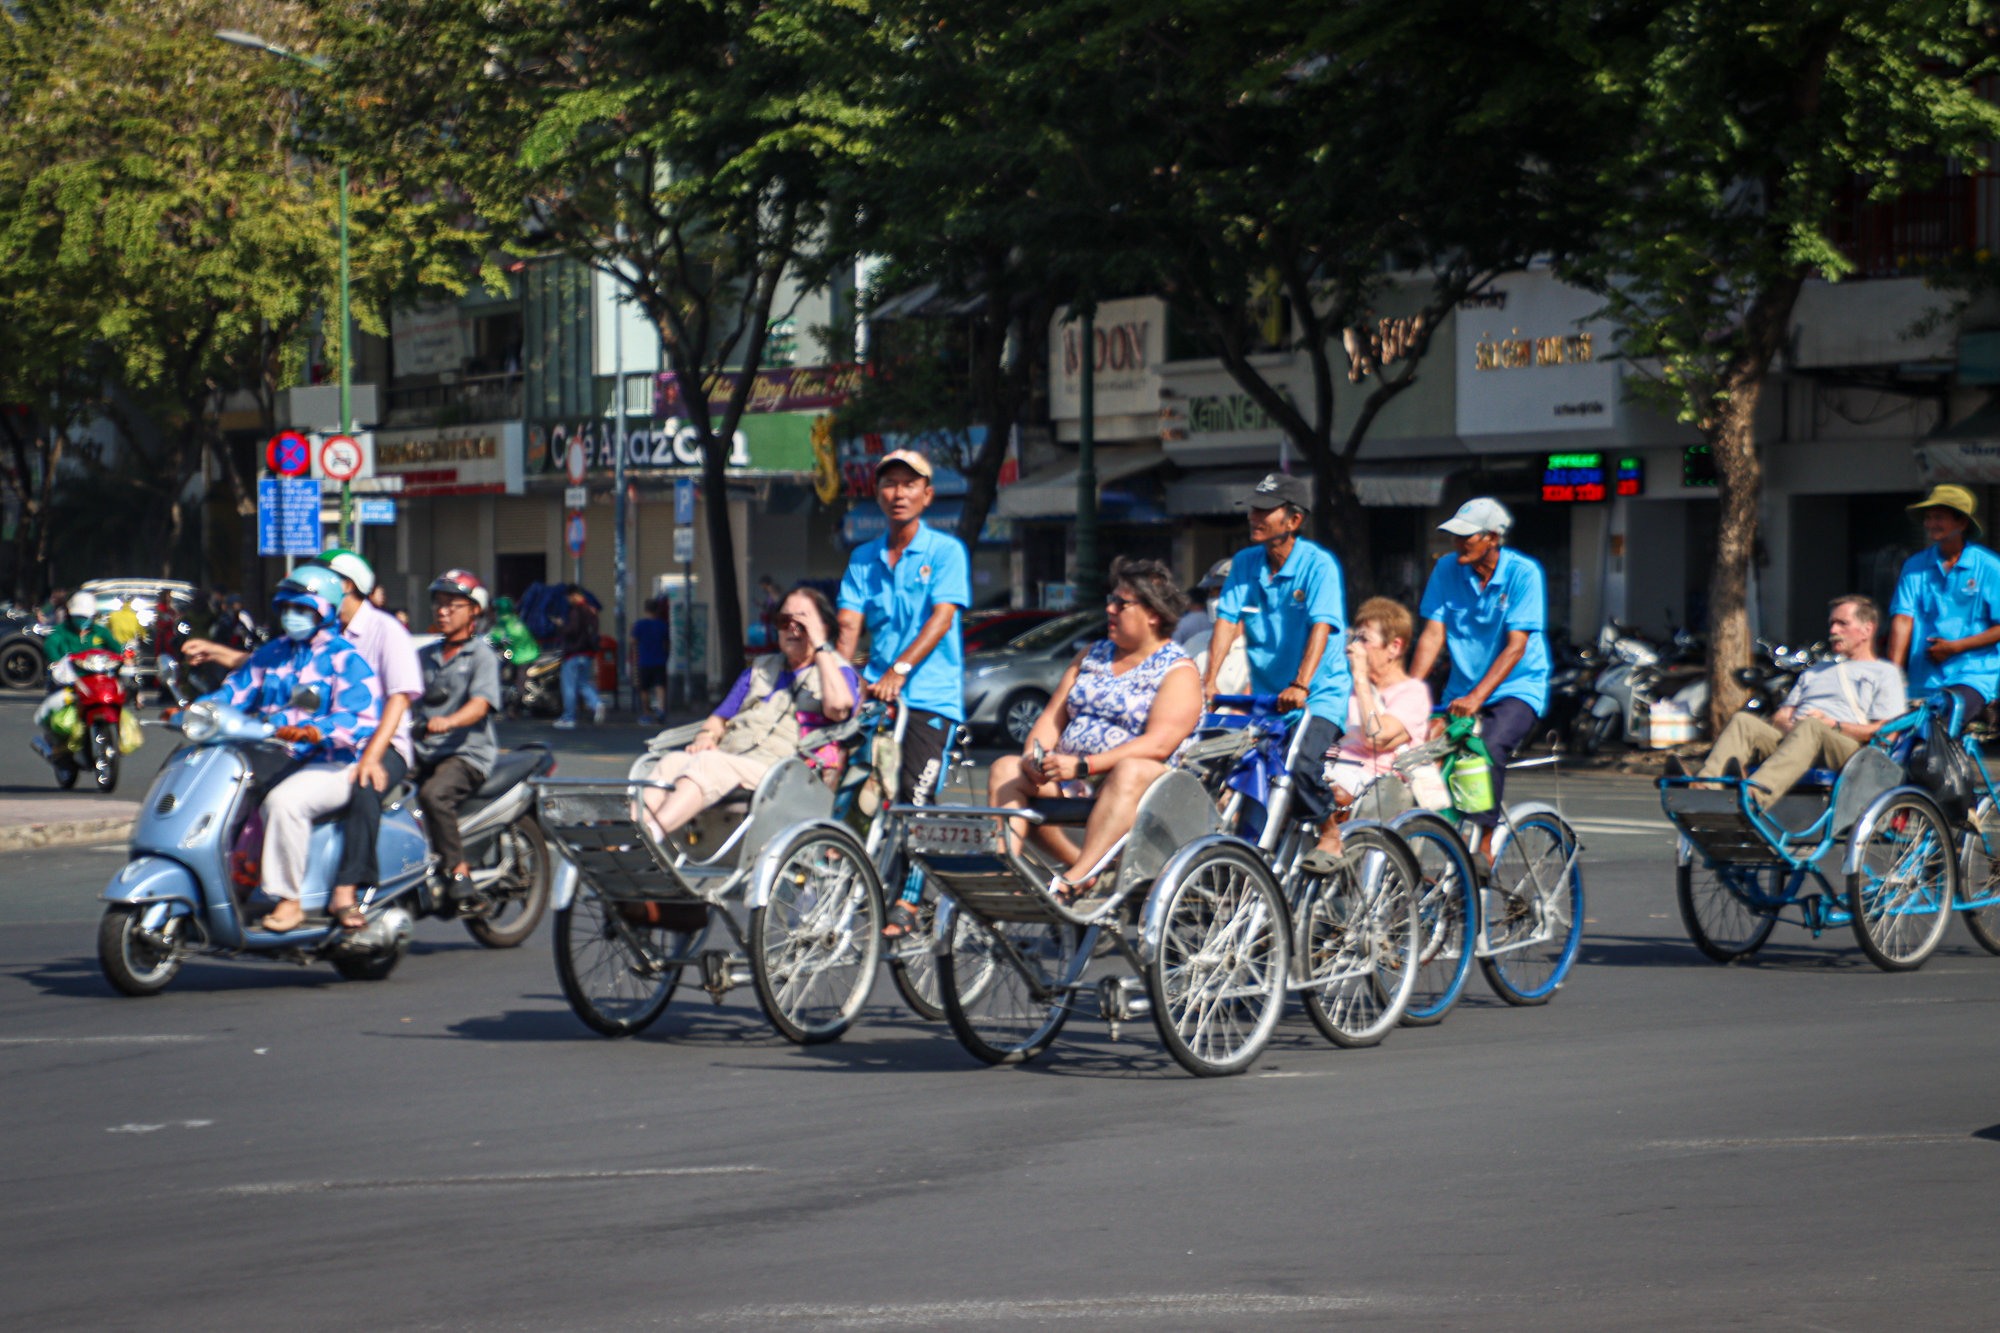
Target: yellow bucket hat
pixel 1952 497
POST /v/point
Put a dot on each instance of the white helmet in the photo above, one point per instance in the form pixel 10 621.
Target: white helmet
pixel 350 567
pixel 82 604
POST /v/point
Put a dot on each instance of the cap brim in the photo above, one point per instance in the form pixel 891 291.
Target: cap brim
pixel 1458 527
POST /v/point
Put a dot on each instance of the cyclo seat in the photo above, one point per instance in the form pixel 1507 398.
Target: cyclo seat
pixel 1822 778
pixel 1064 809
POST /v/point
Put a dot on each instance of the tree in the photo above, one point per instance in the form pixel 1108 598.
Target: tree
pixel 1750 115
pixel 677 147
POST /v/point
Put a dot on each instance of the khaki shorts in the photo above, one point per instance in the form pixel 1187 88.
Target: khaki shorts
pixel 716 773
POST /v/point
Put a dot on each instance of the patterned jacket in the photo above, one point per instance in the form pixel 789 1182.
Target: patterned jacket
pixel 350 697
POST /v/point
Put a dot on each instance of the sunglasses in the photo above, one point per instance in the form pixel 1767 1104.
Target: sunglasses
pixel 1117 603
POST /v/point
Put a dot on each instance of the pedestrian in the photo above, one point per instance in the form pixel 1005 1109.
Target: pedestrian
pixel 1196 620
pixel 580 647
pixel 649 642
pixel 1487 606
pixel 1287 597
pixel 770 599
pixel 1944 621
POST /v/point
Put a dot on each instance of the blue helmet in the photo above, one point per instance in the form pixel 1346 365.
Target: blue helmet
pixel 315 586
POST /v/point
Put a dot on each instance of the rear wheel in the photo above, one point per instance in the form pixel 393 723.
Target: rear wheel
pixel 521 897
pixel 1447 911
pixel 1534 913
pixel 104 755
pixel 608 959
pixel 1900 896
pixel 1719 908
pixel 1361 934
pixel 1979 876
pixel 1218 974
pixel 815 945
pixel 135 961
pixel 988 999
pixel 377 965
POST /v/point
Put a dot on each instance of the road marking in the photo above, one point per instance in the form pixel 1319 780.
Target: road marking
pixel 148 1129
pixel 948 1313
pixel 156 1039
pixel 1297 1073
pixel 1818 1141
pixel 460 1182
pixel 1602 828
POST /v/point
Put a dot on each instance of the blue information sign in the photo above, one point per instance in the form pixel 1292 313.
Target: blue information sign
pixel 288 516
pixel 683 501
pixel 575 534
pixel 377 511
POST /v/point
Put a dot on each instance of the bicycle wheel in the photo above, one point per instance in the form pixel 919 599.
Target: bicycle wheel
pixel 1361 933
pixel 1534 912
pixel 607 960
pixel 913 963
pixel 1217 977
pixel 1719 907
pixel 1447 910
pixel 1979 876
pixel 988 1000
pixel 1901 896
pixel 815 945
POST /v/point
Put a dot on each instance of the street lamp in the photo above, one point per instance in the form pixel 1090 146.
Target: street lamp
pixel 250 41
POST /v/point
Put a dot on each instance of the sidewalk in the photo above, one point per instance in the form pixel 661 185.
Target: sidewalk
pixel 61 821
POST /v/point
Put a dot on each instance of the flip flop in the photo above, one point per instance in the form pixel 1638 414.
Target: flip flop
pixel 265 925
pixel 1319 863
pixel 904 921
pixel 1068 894
pixel 349 918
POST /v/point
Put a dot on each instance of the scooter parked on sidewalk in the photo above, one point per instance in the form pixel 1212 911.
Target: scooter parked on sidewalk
pixel 87 727
pixel 180 896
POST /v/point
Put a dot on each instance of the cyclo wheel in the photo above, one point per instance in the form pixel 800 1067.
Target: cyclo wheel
pixel 987 999
pixel 1901 896
pixel 815 945
pixel 1979 876
pixel 1219 970
pixel 913 963
pixel 1361 934
pixel 607 962
pixel 1447 911
pixel 1535 921
pixel 1719 921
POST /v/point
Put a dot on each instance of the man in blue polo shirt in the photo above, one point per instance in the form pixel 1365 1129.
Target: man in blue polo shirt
pixel 1286 597
pixel 1944 622
pixel 1487 606
pixel 908 588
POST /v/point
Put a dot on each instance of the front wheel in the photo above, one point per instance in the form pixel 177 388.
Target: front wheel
pixel 104 755
pixel 610 959
pixel 1361 933
pixel 1218 974
pixel 136 961
pixel 1900 895
pixel 988 982
pixel 815 945
pixel 66 775
pixel 1719 907
pixel 521 896
pixel 1534 912
pixel 1979 876
pixel 1447 911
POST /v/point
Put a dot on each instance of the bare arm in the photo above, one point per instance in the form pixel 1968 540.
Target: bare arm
pixel 1900 630
pixel 851 623
pixel 836 700
pixel 369 768
pixel 472 714
pixel 1429 644
pixel 196 651
pixel 1048 728
pixel 1940 650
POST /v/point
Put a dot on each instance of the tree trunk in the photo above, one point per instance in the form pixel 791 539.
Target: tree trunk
pixel 1340 522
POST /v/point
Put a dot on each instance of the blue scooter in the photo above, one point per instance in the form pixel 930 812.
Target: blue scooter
pixel 173 899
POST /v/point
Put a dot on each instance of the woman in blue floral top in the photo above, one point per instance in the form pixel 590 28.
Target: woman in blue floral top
pixel 1122 709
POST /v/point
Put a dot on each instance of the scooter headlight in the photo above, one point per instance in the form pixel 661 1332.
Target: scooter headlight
pixel 98 661
pixel 201 723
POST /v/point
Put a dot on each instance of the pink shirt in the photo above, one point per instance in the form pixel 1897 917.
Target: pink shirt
pixel 1408 701
pixel 389 651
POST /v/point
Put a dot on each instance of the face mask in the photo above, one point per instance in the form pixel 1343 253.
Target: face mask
pixel 299 624
pixel 79 623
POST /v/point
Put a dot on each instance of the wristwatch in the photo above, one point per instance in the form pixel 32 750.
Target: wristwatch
pixel 823 648
pixel 902 668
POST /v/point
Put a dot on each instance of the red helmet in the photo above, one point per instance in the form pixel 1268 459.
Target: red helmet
pixel 463 583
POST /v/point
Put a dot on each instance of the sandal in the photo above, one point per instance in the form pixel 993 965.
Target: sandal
pixel 349 918
pixel 1068 894
pixel 904 921
pixel 265 924
pixel 1319 863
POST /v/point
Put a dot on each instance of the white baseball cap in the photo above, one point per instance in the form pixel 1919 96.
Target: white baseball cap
pixel 1478 515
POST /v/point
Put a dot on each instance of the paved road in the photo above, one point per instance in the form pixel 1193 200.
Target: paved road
pixel 1800 1143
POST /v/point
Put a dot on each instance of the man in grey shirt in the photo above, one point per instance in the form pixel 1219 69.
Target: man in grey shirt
pixel 454 721
pixel 1831 712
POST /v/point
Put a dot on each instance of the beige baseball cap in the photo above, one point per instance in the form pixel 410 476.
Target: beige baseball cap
pixel 909 458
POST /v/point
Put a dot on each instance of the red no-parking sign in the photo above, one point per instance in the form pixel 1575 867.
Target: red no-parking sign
pixel 288 454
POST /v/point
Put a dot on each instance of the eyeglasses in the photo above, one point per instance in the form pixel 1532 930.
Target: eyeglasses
pixel 789 622
pixel 1117 603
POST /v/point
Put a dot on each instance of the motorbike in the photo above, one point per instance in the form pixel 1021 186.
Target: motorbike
pixel 1637 674
pixel 1571 672
pixel 85 723
pixel 184 892
pixel 1776 670
pixel 532 690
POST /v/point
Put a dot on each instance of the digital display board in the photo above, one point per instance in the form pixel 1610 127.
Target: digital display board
pixel 1631 476
pixel 1698 466
pixel 1572 478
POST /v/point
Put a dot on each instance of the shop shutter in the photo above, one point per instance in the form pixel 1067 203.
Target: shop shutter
pixel 520 525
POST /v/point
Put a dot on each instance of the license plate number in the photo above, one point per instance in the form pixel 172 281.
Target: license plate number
pixel 953 837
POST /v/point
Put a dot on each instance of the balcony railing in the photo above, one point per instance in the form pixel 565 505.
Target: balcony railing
pixel 1950 221
pixel 474 398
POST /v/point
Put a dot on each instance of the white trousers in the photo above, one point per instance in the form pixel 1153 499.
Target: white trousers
pixel 289 812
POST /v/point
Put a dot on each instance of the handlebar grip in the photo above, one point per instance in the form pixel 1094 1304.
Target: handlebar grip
pixel 1246 700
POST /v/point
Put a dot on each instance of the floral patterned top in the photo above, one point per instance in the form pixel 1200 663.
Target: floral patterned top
pixel 1107 710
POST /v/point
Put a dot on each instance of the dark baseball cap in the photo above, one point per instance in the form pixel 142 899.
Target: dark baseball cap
pixel 1278 489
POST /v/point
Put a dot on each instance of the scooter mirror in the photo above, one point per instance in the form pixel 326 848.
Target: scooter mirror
pixel 305 699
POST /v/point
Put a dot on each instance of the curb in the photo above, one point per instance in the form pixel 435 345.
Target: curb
pixel 63 833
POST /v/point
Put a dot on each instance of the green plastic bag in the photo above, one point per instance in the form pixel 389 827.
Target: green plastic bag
pixel 67 723
pixel 130 734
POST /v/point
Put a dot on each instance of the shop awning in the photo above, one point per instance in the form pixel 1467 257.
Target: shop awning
pixel 1378 484
pixel 1052 493
pixel 1967 451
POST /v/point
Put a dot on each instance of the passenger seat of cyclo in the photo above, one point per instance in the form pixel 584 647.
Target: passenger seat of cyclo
pixel 1833 710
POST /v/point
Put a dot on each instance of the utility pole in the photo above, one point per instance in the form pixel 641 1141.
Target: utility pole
pixel 618 490
pixel 1088 586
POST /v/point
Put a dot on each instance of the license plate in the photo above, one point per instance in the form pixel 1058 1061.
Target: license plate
pixel 931 836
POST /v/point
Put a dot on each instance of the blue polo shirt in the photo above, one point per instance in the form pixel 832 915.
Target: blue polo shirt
pixel 1477 621
pixel 1277 613
pixel 1954 605
pixel 896 602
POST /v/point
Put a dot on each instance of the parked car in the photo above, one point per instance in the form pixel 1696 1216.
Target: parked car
pixel 22 658
pixel 986 630
pixel 1006 688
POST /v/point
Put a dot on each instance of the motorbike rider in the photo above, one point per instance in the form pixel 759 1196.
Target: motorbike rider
pixel 326 702
pixel 76 632
pixel 455 743
pixel 1947 605
pixel 1487 605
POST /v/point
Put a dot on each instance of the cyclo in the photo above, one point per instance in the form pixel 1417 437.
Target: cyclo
pixel 1217 928
pixel 634 911
pixel 1740 866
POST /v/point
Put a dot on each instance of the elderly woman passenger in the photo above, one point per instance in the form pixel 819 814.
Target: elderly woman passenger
pixel 1122 709
pixel 781 696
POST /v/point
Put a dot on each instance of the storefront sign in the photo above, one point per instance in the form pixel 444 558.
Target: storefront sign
pixel 430 339
pixel 1531 360
pixel 948 451
pixel 1573 478
pixel 1226 414
pixel 1631 476
pixel 453 461
pixel 1128 342
pixel 798 389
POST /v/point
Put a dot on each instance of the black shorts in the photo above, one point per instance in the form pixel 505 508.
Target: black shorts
pixel 652 677
pixel 923 757
pixel 1311 792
